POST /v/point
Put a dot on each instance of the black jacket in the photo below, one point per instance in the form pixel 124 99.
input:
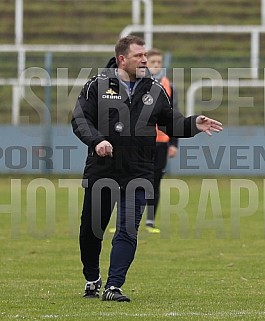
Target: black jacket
pixel 105 110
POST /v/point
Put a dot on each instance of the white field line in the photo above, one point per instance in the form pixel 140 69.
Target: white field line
pixel 221 314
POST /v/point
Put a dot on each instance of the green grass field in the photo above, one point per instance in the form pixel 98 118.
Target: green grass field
pixel 207 264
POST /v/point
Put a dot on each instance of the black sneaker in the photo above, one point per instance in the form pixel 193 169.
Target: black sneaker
pixel 92 289
pixel 114 294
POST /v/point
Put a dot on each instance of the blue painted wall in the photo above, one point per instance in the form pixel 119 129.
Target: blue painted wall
pixel 235 151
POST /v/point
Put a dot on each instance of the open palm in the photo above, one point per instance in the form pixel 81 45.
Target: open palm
pixel 208 125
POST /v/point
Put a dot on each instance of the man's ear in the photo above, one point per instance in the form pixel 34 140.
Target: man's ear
pixel 120 59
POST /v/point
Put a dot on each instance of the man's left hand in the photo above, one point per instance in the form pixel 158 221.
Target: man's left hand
pixel 207 125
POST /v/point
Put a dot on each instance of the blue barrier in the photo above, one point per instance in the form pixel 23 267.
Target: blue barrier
pixel 235 151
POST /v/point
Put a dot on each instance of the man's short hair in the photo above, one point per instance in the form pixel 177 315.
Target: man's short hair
pixel 123 45
pixel 154 52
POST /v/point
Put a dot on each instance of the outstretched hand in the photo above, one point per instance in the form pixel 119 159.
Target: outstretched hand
pixel 207 125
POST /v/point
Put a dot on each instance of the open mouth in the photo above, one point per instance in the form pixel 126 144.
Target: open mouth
pixel 141 69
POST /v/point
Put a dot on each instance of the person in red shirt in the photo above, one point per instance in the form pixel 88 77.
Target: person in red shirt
pixel 165 147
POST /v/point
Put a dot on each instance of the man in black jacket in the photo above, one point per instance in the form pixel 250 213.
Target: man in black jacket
pixel 116 116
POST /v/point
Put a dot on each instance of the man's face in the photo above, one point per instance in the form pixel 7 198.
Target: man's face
pixel 135 62
pixel 154 64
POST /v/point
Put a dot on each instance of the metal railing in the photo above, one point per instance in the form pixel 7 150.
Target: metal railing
pixel 253 31
pixel 147 28
pixel 22 49
pixel 195 86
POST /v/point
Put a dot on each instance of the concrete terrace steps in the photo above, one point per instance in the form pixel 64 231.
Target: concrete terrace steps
pixel 101 21
pixel 59 21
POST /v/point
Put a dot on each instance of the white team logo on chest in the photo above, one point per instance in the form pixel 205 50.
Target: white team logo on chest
pixel 147 99
pixel 111 94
